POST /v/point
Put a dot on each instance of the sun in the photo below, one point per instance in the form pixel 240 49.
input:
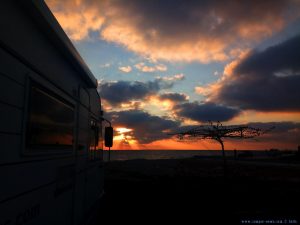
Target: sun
pixel 122 130
pixel 124 137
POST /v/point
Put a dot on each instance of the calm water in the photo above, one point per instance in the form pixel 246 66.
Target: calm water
pixel 168 154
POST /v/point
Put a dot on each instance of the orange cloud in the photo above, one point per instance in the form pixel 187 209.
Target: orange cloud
pixel 198 31
pixel 77 18
pixel 211 90
pixel 144 68
pixel 125 69
pixel 175 77
pixel 251 115
pixel 204 50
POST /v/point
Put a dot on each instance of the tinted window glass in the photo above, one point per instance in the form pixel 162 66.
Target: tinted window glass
pixel 51 120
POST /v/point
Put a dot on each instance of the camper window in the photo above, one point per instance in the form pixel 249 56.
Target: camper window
pixel 51 121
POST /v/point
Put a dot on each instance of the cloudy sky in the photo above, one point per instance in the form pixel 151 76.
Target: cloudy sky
pixel 163 65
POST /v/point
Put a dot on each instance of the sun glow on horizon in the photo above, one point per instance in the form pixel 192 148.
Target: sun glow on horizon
pixel 123 134
pixel 124 138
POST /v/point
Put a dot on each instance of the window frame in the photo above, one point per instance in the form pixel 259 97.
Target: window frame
pixel 53 92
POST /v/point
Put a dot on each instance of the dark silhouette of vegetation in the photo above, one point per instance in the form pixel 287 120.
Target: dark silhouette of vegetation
pixel 218 132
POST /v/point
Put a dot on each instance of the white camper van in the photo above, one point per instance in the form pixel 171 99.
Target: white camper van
pixel 51 165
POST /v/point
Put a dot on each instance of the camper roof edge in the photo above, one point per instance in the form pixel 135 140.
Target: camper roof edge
pixel 42 15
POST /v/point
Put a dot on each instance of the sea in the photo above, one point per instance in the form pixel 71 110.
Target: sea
pixel 172 154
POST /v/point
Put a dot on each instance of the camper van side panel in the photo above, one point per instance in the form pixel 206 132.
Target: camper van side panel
pixel 41 184
pixel 12 86
pixel 24 36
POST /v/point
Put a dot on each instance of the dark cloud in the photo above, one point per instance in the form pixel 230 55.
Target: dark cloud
pixel 146 128
pixel 203 14
pixel 267 80
pixel 196 29
pixel 205 112
pixel 284 56
pixel 124 91
pixel 279 127
pixel 174 97
pixel 284 132
pixel 202 30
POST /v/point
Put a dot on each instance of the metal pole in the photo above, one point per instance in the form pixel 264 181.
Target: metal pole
pixel 108 154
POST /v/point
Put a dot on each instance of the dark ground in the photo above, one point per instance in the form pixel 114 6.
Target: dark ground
pixel 194 191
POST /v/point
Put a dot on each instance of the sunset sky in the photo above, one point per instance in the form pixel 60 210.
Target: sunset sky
pixel 166 64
